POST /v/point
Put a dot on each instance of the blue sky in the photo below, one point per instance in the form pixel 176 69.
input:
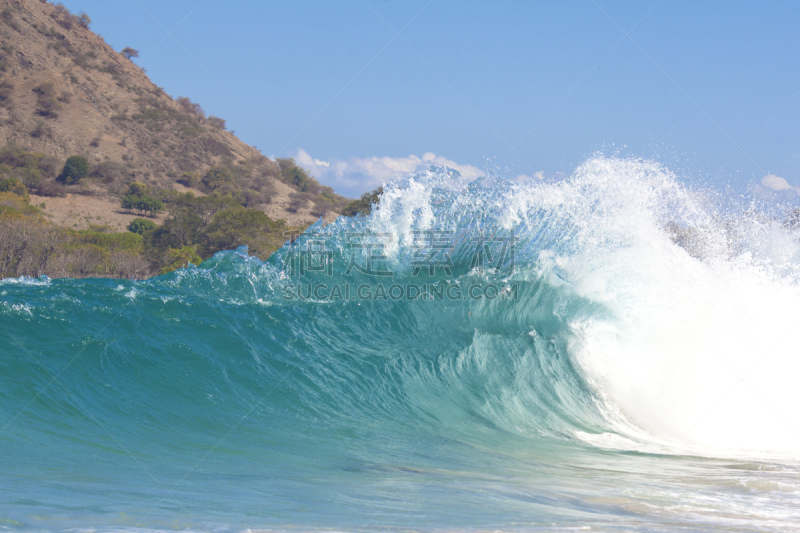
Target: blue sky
pixel 709 89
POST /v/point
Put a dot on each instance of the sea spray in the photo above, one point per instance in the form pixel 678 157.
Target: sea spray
pixel 645 362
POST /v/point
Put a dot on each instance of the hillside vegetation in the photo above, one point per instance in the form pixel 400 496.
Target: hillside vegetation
pixel 89 145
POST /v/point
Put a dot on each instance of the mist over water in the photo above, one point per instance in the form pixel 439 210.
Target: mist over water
pixel 643 375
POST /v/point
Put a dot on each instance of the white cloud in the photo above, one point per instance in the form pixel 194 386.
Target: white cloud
pixel 358 175
pixel 777 183
pixel 773 188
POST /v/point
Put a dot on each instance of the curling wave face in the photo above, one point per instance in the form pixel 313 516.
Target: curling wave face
pixel 467 355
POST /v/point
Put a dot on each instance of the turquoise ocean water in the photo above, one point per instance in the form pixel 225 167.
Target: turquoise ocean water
pixel 472 356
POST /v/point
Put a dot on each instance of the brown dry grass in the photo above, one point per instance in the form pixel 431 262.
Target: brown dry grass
pixel 79 212
pixel 100 112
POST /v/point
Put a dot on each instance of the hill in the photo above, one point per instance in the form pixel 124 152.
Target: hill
pixel 65 92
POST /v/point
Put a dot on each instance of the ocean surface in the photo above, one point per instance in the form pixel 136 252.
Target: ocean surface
pixel 612 352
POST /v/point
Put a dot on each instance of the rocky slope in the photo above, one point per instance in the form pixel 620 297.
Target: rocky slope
pixel 65 92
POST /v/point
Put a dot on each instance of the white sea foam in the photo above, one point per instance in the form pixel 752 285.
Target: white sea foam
pixel 701 351
pixel 698 352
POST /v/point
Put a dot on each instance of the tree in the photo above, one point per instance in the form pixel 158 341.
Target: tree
pixel 150 205
pixel 363 204
pixel 84 20
pixel 180 258
pixel 188 219
pixel 128 202
pixel 129 52
pixel 137 189
pixel 136 198
pixel 75 169
pixel 216 122
pixel 141 225
pixel 236 226
pixel 298 200
pixel 192 108
pixel 297 177
pixel 46 103
pixel 144 204
pixel 217 176
pixel 13 185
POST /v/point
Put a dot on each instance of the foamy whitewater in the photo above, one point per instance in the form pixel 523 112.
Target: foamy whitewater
pixel 612 351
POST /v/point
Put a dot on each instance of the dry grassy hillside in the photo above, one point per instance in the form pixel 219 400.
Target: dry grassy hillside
pixel 104 174
pixel 64 92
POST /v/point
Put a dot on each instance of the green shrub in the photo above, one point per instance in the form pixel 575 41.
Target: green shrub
pixel 217 176
pixel 237 226
pixel 41 130
pixel 297 200
pixel 150 205
pixel 12 185
pixel 31 176
pixel 180 258
pixel 49 166
pixel 46 103
pixel 141 226
pixel 7 15
pixel 51 189
pixel 210 224
pixel 75 169
pixel 6 88
pixel 123 241
pixel 107 171
pixel 111 68
pixel 295 176
pixel 84 20
pixel 363 204
pixel 216 122
pixel 144 204
pixel 171 196
pixel 188 219
pixel 63 16
pixel 129 52
pixel 128 201
pixel 5 56
pixel 137 189
pixel 16 157
pixel 137 198
pixel 192 108
pixel 82 61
